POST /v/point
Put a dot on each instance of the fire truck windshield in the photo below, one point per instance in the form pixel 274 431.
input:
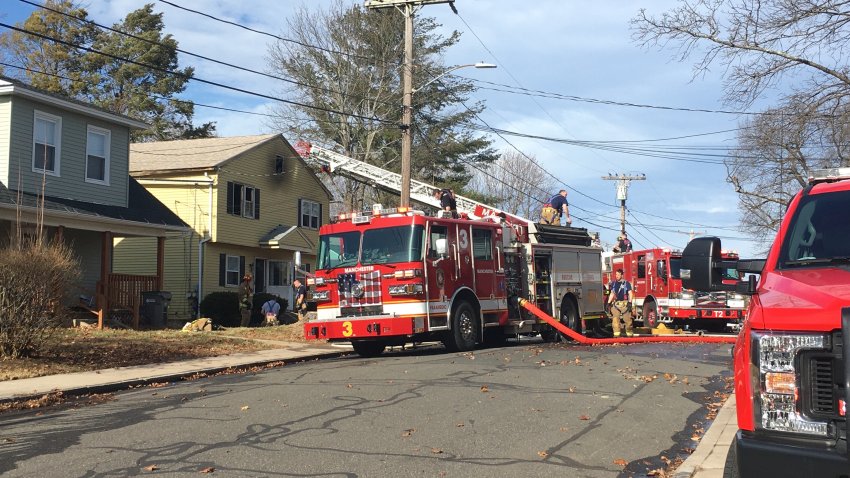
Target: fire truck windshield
pixel 379 246
pixel 817 233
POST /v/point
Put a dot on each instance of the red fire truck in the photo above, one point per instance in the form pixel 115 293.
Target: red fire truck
pixel 395 276
pixel 660 297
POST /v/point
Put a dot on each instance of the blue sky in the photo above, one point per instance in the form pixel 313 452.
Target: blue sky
pixel 577 48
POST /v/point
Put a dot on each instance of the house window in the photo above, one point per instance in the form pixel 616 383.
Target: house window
pixel 278 164
pixel 47 131
pixel 231 274
pixel 278 276
pixel 311 214
pixel 248 202
pixel 243 200
pixel 97 155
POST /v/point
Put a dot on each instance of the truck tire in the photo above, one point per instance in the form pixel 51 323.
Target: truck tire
pixel 368 348
pixel 569 318
pixel 650 314
pixel 464 332
pixel 730 469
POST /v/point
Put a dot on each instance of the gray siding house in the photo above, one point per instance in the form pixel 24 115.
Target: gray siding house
pixel 69 161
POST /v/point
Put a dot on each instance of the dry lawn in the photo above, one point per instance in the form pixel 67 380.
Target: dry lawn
pixel 79 350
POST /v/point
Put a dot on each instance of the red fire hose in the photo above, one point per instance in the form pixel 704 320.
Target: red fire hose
pixel 624 340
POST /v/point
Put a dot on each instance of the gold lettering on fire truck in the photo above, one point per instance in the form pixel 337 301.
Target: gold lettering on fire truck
pixel 359 269
pixel 463 239
pixel 441 279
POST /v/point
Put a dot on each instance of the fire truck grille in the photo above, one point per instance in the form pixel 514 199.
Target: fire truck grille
pixel 710 299
pixel 359 293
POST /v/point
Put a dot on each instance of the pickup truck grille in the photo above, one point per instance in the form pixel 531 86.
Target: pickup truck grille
pixel 822 381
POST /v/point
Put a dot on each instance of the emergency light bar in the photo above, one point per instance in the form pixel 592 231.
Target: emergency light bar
pixel 829 174
pixel 377 211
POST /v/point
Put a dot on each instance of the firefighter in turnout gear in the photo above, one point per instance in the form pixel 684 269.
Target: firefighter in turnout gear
pixel 620 299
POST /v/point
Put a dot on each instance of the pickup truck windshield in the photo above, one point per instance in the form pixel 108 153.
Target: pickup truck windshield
pixel 380 246
pixel 819 232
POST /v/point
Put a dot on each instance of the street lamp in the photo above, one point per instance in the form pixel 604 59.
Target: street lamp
pixel 407 118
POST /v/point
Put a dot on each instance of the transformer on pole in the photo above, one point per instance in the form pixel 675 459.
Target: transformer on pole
pixel 623 192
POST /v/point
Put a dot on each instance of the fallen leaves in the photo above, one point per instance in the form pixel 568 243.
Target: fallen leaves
pixel 151 468
pixel 206 470
pixel 408 432
pixel 436 451
pixel 245 407
pixel 584 417
pixel 542 454
pixel 620 462
pixel 484 389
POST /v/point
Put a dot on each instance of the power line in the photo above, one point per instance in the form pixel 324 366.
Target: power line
pixel 194 78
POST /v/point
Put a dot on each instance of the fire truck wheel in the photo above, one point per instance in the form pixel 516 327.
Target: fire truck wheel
pixel 464 331
pixel 367 348
pixel 650 314
pixel 569 316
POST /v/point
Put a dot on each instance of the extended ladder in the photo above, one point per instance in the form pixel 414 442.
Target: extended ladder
pixel 385 180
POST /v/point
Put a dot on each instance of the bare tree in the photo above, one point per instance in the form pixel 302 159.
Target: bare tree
pixel 776 153
pixel 796 48
pixel 516 183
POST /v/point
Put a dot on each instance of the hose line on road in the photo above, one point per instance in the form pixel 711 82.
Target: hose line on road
pixel 621 340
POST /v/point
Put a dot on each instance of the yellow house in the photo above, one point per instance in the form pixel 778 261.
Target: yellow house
pixel 251 202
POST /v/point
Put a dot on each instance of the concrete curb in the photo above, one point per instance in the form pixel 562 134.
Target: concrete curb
pixel 709 459
pixel 120 378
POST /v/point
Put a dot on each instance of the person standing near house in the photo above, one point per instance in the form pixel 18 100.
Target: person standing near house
pixel 246 298
pixel 300 304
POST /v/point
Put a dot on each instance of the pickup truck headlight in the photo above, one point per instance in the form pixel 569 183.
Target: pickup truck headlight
pixel 776 382
pixel 406 289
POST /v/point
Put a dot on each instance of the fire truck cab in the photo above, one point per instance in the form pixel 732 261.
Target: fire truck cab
pixel 396 276
pixel 660 297
pixel 792 369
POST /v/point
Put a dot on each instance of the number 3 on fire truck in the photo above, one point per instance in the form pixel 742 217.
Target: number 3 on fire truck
pixel 463 239
pixel 346 329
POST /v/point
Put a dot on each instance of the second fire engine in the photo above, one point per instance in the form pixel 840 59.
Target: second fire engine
pixel 660 297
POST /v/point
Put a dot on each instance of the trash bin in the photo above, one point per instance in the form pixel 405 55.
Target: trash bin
pixel 155 308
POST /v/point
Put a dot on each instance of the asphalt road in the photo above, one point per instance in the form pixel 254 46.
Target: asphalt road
pixel 528 409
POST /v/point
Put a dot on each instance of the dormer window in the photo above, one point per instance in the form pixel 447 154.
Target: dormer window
pixel 47 131
pixel 97 155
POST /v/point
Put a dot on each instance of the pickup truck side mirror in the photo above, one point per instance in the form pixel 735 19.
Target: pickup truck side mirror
pixel 702 268
pixel 699 264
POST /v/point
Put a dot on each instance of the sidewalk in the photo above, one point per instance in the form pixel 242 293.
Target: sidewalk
pixel 709 459
pixel 122 377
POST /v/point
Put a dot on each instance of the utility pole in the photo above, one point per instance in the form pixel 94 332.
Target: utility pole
pixel 406 7
pixel 622 192
pixel 691 233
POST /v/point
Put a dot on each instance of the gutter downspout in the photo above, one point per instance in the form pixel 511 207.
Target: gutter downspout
pixel 201 244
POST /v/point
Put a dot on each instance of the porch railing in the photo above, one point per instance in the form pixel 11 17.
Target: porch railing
pixel 123 293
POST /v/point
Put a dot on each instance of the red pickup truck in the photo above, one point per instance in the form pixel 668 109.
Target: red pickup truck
pixel 792 369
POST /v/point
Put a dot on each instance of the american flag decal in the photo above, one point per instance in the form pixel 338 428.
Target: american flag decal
pixel 362 292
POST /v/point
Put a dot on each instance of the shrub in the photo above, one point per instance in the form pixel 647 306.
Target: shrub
pixel 222 308
pixel 35 279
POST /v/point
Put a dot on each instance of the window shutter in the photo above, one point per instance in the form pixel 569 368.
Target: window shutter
pixel 222 268
pixel 241 268
pixel 298 220
pixel 229 197
pixel 321 208
pixel 256 203
pixel 237 199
